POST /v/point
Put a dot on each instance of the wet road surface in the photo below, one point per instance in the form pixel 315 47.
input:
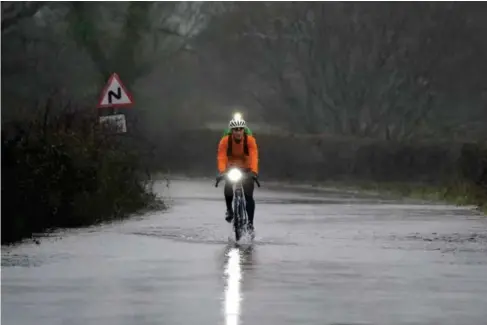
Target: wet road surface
pixel 319 257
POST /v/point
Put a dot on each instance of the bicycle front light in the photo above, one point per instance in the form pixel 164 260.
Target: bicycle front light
pixel 234 175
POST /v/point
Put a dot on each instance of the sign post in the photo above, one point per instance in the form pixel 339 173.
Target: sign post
pixel 115 95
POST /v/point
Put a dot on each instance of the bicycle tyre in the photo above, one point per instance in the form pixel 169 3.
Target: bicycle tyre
pixel 238 219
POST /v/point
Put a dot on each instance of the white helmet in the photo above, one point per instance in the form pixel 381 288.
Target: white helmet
pixel 237 122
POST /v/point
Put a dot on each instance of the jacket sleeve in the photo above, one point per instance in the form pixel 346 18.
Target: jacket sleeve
pixel 254 154
pixel 221 157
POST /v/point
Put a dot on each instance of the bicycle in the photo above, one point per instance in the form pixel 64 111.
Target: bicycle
pixel 240 218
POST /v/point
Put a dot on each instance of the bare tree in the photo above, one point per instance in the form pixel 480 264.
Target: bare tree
pixel 375 70
pixel 141 36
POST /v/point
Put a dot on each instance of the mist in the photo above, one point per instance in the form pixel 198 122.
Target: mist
pixel 363 93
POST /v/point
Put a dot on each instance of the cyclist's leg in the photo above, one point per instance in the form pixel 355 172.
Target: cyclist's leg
pixel 228 192
pixel 248 186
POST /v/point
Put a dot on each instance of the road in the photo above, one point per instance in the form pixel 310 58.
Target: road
pixel 319 257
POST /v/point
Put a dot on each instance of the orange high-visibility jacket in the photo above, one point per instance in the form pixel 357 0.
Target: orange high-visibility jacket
pixel 237 157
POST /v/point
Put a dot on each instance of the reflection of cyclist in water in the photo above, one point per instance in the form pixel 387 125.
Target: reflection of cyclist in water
pixel 239 148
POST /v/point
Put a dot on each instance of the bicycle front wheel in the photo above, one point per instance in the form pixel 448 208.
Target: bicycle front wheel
pixel 238 222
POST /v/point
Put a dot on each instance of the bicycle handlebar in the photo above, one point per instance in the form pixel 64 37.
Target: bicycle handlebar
pixel 218 179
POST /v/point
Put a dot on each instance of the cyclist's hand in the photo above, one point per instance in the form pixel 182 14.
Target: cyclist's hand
pixel 254 175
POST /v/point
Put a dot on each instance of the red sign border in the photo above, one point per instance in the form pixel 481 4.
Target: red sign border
pixel 105 90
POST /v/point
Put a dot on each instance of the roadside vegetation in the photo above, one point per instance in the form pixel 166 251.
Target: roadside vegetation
pixel 68 173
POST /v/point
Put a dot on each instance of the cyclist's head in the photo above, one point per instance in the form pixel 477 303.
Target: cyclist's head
pixel 237 126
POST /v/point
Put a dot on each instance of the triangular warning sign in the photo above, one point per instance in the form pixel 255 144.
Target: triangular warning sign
pixel 115 94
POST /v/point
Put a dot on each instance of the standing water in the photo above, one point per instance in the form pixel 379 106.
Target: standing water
pixel 319 257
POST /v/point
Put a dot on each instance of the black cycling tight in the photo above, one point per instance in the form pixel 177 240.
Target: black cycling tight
pixel 248 187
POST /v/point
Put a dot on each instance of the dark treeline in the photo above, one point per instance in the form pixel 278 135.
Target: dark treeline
pixel 454 171
pixel 374 92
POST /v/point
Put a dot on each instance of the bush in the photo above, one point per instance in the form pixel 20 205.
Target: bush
pixel 66 173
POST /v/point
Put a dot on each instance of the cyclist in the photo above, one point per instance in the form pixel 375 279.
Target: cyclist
pixel 238 147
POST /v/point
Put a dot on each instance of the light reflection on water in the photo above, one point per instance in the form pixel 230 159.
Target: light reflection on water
pixel 233 273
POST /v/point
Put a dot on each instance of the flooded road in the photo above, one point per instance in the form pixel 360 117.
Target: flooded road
pixel 319 257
